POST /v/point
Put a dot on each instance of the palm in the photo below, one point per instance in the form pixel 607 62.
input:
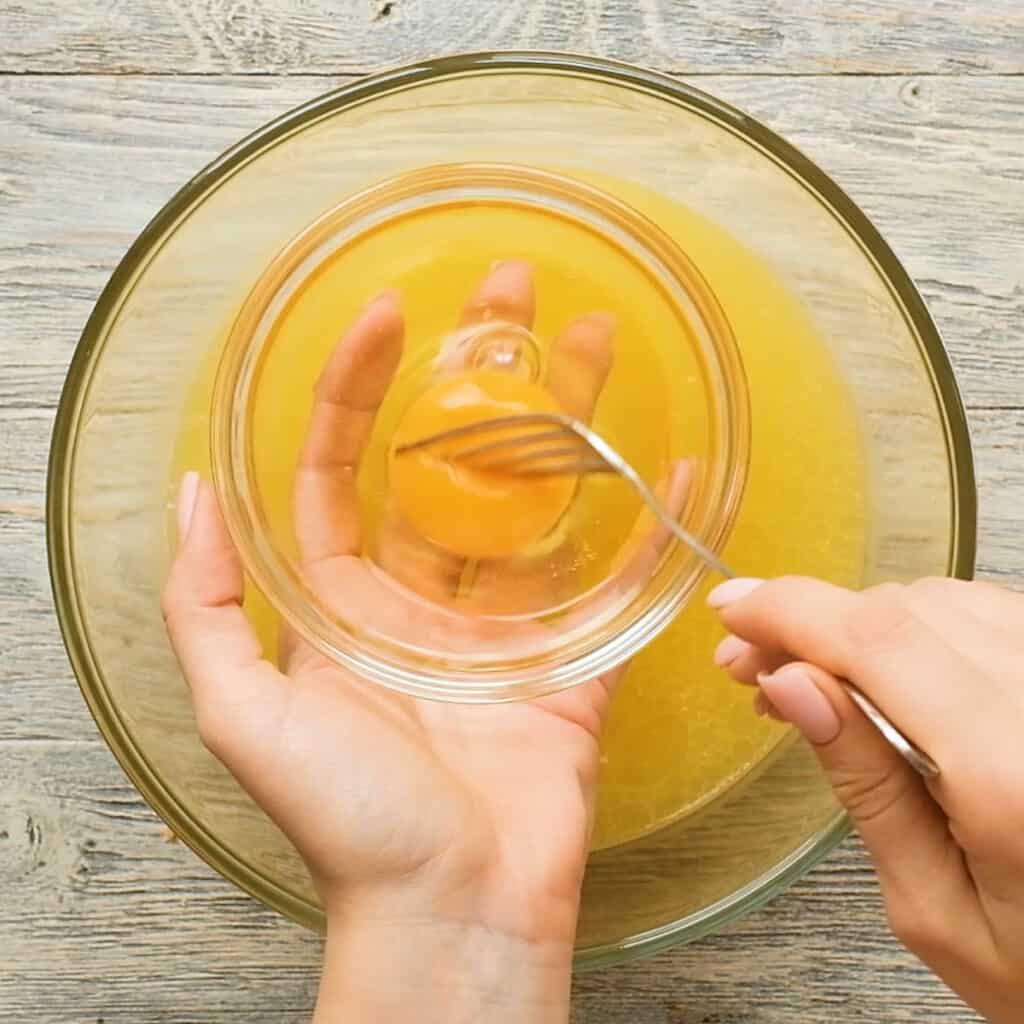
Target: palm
pixel 401 784
pixel 371 785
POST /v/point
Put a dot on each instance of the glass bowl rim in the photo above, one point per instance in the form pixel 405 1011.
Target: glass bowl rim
pixel 598 646
pixel 787 157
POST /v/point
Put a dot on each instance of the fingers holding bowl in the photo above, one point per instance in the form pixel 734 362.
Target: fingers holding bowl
pixel 325 502
pixel 580 361
pixel 347 397
pixel 236 694
pixel 505 295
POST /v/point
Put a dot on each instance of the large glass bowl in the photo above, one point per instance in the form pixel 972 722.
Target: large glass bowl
pixel 176 293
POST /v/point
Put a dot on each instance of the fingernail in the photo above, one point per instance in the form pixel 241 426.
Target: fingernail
pixel 606 321
pixel 389 295
pixel 188 493
pixel 732 590
pixel 731 648
pixel 793 694
pixel 520 266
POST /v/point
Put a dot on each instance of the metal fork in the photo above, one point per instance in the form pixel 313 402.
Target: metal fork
pixel 550 444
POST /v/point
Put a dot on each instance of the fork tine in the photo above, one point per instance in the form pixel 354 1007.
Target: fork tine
pixel 578 467
pixel 531 457
pixel 530 452
pixel 592 454
pixel 468 455
pixel 484 427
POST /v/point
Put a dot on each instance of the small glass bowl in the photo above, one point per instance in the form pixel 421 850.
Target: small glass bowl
pixel 603 633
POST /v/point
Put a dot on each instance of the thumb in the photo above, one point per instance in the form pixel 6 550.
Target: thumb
pixel 236 694
pixel 904 829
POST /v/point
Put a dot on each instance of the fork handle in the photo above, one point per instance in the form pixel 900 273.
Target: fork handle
pixel 701 550
pixel 921 762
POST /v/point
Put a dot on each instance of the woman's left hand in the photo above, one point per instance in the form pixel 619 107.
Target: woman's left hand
pixel 447 841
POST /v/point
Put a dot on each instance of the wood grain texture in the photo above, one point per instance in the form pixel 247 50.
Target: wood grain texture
pixel 938 164
pixel 101 919
pixel 326 37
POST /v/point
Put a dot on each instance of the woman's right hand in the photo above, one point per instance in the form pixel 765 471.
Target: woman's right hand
pixel 945 660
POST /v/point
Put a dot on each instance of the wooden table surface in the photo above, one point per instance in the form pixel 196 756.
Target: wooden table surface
pixel 107 106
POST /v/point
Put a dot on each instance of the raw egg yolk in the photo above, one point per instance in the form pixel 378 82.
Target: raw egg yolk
pixel 472 512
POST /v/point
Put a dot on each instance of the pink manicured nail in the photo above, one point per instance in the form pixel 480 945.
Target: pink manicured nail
pixel 389 295
pixel 793 694
pixel 519 268
pixel 729 650
pixel 606 321
pixel 188 493
pixel 732 590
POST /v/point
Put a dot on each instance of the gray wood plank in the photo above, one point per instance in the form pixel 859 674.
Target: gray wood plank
pixel 938 163
pixel 318 36
pixel 103 919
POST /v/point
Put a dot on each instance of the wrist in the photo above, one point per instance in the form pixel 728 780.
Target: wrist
pixel 539 905
pixel 398 956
